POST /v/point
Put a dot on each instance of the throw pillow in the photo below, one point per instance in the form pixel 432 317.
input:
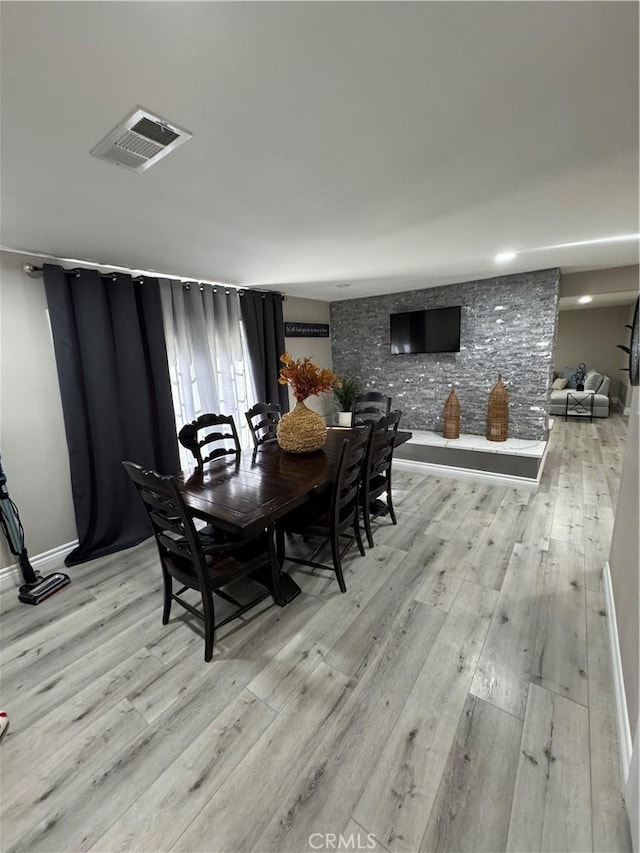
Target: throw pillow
pixel 569 373
pixel 559 383
pixel 604 388
pixel 593 381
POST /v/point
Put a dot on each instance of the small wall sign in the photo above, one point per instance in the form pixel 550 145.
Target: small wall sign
pixel 306 330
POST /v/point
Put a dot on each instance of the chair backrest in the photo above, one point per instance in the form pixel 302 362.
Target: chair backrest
pixel 346 489
pixel 172 524
pixel 369 407
pixel 201 435
pixel 381 446
pixel 263 421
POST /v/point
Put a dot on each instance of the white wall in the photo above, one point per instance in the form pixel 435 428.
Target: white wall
pixel 318 349
pixel 591 335
pixel 624 563
pixel 590 282
pixel 32 439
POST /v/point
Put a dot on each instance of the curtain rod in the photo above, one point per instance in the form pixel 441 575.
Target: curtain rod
pixel 34 271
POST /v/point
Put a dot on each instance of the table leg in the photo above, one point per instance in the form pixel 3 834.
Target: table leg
pixel 288 587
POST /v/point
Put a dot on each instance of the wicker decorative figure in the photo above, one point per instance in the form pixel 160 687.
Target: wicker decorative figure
pixel 498 412
pixel 451 416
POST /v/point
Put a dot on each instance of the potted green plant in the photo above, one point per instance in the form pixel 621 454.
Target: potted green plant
pixel 345 395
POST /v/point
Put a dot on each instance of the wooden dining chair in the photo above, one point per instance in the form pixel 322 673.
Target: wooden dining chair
pixel 200 564
pixel 210 437
pixel 377 472
pixel 333 516
pixel 369 407
pixel 263 421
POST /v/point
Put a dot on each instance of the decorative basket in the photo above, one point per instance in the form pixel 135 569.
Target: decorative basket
pixel 451 416
pixel 301 431
pixel 498 412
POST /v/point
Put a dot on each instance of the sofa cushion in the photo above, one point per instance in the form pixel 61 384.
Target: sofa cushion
pixel 593 380
pixel 603 390
pixel 558 403
pixel 569 373
pixel 559 383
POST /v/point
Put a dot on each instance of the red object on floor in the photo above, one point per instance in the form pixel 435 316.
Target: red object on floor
pixel 4 723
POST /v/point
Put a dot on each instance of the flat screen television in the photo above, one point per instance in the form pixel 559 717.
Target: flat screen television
pixel 431 330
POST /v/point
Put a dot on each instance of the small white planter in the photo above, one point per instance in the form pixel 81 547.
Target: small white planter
pixel 344 419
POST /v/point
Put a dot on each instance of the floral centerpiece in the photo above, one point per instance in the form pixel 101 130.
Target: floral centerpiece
pixel 302 430
pixel 305 377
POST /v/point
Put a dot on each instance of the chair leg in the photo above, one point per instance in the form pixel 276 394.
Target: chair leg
pixel 366 517
pixel 279 537
pixel 275 567
pixel 168 588
pixel 209 623
pixel 392 513
pixel 337 562
pixel 358 535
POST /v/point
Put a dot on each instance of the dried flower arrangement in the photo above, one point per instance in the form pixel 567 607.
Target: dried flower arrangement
pixel 305 377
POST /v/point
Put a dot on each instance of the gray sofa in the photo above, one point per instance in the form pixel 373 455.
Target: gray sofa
pixel 594 381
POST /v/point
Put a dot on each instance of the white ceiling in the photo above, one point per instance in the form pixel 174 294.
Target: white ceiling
pixel 598 300
pixel 386 145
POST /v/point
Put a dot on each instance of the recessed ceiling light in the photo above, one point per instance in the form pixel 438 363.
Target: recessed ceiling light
pixel 345 284
pixel 584 299
pixel 504 257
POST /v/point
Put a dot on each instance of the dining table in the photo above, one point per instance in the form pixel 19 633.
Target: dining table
pixel 251 490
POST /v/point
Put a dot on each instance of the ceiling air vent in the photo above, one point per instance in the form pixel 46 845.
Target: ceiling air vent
pixel 140 141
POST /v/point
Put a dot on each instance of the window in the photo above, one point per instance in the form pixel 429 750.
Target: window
pixel 208 359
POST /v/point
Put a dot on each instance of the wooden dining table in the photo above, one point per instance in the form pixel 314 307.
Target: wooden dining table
pixel 252 490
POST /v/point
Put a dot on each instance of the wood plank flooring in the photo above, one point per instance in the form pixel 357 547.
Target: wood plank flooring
pixel 457 698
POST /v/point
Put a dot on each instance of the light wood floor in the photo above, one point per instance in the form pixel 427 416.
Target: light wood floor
pixel 458 697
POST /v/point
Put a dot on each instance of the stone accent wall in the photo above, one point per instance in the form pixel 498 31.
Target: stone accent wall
pixel 508 326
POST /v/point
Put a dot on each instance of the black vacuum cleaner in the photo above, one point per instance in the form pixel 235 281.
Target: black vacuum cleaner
pixel 35 588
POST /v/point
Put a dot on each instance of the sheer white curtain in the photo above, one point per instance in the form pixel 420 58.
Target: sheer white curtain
pixel 208 360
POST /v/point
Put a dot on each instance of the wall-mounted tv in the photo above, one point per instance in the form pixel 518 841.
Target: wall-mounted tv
pixel 431 330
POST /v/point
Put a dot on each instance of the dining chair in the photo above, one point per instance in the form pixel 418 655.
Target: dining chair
pixel 208 430
pixel 377 472
pixel 369 407
pixel 200 564
pixel 263 421
pixel 333 516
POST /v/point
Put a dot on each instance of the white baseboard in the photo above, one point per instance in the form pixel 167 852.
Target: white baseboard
pixel 43 563
pixel 622 714
pixel 632 792
pixel 449 471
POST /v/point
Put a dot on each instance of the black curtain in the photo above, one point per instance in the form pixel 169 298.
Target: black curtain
pixel 116 398
pixel 264 328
